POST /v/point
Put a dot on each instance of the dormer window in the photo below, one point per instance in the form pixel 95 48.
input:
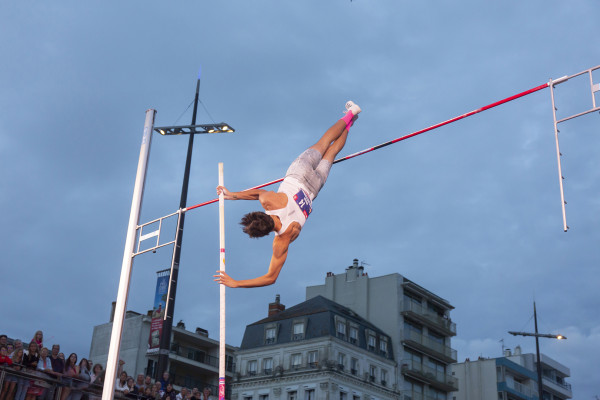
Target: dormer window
pixel 270 335
pixel 298 331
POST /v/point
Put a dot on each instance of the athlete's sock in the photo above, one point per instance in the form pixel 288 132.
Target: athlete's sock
pixel 348 118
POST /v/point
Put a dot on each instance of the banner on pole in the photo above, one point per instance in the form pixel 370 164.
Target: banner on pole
pixel 158 312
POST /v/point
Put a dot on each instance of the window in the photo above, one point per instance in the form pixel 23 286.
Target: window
pixel 383 345
pixel 298 331
pixel 341 330
pixel 412 331
pixel 343 396
pixel 312 358
pixel 353 334
pixel 372 372
pixel 247 397
pixel 292 395
pixel 412 302
pixel 436 394
pixel 263 397
pixel 412 360
pixel 296 360
pixel 371 342
pixel 384 376
pixel 251 367
pixel 270 336
pixel 437 368
pixel 435 337
pixel 341 361
pixel 354 366
pixel 309 394
pixel 268 366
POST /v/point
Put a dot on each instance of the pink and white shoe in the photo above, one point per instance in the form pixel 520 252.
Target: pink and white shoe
pixel 354 108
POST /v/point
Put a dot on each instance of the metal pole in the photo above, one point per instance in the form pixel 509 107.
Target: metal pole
pixel 165 339
pixel 222 288
pixel 134 217
pixel 537 352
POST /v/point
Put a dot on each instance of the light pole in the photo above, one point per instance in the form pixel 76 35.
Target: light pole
pixel 537 348
pixel 165 339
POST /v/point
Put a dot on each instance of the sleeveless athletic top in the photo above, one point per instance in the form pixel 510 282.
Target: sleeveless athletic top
pixel 298 207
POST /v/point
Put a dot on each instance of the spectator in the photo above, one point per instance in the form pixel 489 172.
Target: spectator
pixel 97 375
pixel 122 382
pixel 58 368
pixel 82 381
pixel 195 394
pixel 97 379
pixel 22 383
pixel 10 348
pixel 71 371
pixel 183 394
pixel 148 393
pixel 39 339
pixel 132 390
pixel 164 381
pixel 5 361
pixel 3 340
pixel 58 363
pixel 10 381
pixel 140 383
pixel 169 393
pixel 158 391
pixel 148 381
pixel 61 356
pixel 206 393
pixel 18 345
pixel 31 359
pixel 44 366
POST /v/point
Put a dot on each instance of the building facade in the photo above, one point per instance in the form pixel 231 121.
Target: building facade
pixel 513 377
pixel 193 358
pixel 417 321
pixel 316 350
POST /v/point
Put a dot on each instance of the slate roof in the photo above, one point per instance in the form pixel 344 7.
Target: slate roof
pixel 319 313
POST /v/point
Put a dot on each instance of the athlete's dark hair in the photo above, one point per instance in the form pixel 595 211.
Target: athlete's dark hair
pixel 257 224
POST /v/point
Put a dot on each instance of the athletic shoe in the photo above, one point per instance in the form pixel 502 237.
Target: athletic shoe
pixel 350 106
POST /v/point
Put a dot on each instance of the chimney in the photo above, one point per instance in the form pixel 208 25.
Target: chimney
pixel 112 311
pixel 276 307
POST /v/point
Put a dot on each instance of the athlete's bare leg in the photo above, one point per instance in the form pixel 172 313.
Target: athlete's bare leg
pixel 331 135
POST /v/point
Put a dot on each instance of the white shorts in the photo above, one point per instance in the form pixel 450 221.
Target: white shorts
pixel 310 170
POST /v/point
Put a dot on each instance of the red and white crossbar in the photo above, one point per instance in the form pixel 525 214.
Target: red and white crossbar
pixel 432 127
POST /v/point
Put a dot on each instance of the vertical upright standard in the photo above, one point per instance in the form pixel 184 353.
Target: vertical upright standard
pixel 221 288
pixel 134 217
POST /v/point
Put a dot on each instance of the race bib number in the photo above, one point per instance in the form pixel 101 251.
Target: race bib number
pixel 303 202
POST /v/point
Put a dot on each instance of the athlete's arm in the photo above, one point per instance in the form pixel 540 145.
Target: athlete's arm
pixel 280 249
pixel 251 194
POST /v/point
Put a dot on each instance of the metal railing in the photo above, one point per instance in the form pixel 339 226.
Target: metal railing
pixel 429 343
pixel 431 316
pixel 429 373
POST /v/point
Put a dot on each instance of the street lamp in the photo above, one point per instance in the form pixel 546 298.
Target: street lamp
pixel 537 348
pixel 222 127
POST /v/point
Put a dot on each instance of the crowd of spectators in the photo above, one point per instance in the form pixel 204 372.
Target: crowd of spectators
pixel 36 373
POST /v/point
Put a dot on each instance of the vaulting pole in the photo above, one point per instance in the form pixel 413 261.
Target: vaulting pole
pixel 222 288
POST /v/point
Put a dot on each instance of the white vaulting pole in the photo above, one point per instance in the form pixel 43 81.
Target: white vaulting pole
pixel 222 288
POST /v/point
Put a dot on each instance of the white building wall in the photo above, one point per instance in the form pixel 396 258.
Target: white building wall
pixel 476 380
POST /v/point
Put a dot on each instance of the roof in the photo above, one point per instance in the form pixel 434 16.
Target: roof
pixel 320 316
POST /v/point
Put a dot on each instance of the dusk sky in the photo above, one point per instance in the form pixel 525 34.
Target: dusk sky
pixel 470 211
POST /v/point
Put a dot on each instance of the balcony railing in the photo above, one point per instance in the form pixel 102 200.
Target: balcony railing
pixel 409 395
pixel 430 316
pixel 437 378
pixel 448 353
pixel 198 356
